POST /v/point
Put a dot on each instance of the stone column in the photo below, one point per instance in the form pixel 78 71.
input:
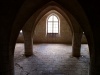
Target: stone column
pixel 76 44
pixel 28 43
pixel 95 59
pixel 6 61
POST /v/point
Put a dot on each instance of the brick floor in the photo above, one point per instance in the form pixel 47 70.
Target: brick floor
pixel 51 59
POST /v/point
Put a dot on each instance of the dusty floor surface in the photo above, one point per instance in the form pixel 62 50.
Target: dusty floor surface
pixel 51 59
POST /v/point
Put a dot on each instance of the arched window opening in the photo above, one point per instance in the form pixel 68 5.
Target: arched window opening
pixel 53 24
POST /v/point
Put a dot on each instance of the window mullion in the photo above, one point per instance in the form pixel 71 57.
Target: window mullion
pixel 52 22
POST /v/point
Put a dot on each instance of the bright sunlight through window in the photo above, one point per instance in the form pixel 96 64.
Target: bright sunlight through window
pixel 52 24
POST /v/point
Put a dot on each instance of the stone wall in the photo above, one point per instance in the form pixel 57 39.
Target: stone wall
pixel 40 36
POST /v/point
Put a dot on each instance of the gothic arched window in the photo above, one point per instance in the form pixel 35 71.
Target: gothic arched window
pixel 53 24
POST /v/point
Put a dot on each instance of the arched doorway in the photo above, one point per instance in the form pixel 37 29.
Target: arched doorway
pixel 56 59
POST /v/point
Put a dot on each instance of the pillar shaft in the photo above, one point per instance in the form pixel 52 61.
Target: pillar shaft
pixel 6 61
pixel 76 44
pixel 28 43
pixel 95 60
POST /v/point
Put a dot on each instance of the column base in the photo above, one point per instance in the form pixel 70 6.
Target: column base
pixel 28 54
pixel 76 55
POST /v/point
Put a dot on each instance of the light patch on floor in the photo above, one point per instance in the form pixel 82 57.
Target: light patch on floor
pixel 51 59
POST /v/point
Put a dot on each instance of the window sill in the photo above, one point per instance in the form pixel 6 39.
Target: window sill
pixel 53 35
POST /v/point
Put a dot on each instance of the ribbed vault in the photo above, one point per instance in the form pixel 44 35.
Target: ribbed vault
pixel 69 9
